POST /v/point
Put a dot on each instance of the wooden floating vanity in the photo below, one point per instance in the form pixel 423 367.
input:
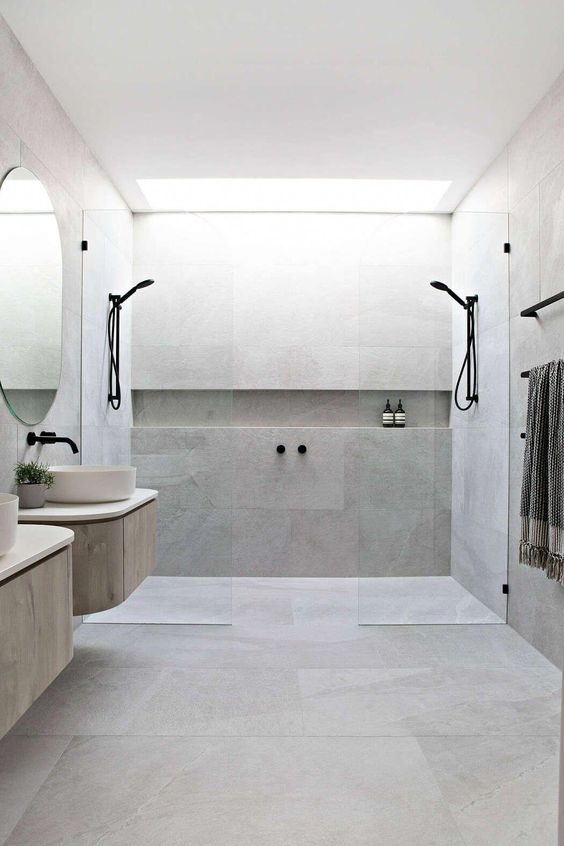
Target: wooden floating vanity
pixel 114 547
pixel 35 617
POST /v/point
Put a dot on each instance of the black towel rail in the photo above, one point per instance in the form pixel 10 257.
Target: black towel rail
pixel 532 310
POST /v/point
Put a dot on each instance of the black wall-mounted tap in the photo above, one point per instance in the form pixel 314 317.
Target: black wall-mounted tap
pixel 50 438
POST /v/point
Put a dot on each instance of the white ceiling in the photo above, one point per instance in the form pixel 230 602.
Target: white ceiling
pixel 415 89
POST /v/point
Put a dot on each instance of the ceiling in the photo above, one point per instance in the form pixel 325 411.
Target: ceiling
pixel 417 89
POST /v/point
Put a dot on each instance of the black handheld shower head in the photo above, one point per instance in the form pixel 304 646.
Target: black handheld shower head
pixel 440 286
pixel 470 361
pixel 144 284
pixel 114 395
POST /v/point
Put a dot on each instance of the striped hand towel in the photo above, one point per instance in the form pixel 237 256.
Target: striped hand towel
pixel 542 494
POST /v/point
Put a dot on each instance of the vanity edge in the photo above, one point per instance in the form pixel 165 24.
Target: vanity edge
pixel 88 512
pixel 33 544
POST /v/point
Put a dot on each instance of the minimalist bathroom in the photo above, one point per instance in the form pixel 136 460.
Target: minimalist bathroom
pixel 281 423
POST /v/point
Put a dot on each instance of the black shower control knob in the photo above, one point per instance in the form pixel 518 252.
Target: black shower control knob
pixel 281 449
pixel 302 448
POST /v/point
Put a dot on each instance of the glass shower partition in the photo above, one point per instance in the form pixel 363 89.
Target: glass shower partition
pixel 182 435
pixel 433 494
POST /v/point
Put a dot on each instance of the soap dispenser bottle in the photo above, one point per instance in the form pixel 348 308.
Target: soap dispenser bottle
pixel 388 416
pixel 399 416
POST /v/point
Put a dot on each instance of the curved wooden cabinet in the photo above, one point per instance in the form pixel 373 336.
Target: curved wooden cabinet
pixel 111 558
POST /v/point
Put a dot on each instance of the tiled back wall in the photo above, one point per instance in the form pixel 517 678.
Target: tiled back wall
pixel 262 322
pixel 332 302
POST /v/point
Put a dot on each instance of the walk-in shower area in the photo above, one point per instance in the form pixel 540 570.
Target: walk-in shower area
pixel 326 430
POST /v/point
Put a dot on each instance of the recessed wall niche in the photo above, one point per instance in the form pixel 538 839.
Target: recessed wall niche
pixel 170 408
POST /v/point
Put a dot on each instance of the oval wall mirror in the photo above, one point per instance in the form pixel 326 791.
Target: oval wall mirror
pixel 31 295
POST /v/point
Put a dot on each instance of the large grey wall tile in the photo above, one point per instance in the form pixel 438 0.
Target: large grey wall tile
pixel 405 469
pixel 524 259
pixel 405 368
pixel 194 542
pixel 414 239
pixel 397 305
pixel 188 305
pixel 32 111
pixel 480 475
pixel 295 367
pixel 551 237
pixel 8 455
pixel 292 306
pixel 479 560
pixel 404 542
pixel 178 239
pixel 492 408
pixel 538 145
pixel 191 468
pixel 207 366
pixel 261 541
pixel 10 148
pixel 264 479
pixel 480 266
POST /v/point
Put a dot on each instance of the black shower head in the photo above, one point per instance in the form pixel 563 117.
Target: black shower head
pixel 440 286
pixel 144 284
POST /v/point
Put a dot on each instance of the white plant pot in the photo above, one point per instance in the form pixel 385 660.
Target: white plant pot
pixel 9 505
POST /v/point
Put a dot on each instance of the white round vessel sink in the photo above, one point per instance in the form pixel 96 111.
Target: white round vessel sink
pixel 92 484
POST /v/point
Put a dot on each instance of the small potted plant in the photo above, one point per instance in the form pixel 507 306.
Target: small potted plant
pixel 33 480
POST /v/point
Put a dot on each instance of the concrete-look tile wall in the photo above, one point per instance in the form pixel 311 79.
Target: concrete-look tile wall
pixel 35 132
pixel 291 302
pixel 277 320
pixel 231 505
pixel 480 436
pixel 536 203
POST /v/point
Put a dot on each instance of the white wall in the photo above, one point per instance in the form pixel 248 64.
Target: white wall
pixel 291 301
pixel 37 134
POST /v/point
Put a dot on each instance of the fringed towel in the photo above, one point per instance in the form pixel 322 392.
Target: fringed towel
pixel 542 494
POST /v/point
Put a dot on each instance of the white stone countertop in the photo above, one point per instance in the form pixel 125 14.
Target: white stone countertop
pixel 33 543
pixel 77 512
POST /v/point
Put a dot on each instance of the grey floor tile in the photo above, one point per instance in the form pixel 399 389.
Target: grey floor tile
pixel 430 702
pixel 239 792
pixel 173 599
pixel 89 700
pixel 86 699
pixel 499 790
pixel 459 645
pixel 25 763
pixel 243 646
pixel 427 601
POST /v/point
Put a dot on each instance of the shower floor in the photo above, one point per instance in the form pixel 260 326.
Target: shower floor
pixel 315 732
pixel 291 601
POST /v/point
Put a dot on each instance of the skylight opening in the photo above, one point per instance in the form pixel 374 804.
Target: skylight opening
pixel 293 195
